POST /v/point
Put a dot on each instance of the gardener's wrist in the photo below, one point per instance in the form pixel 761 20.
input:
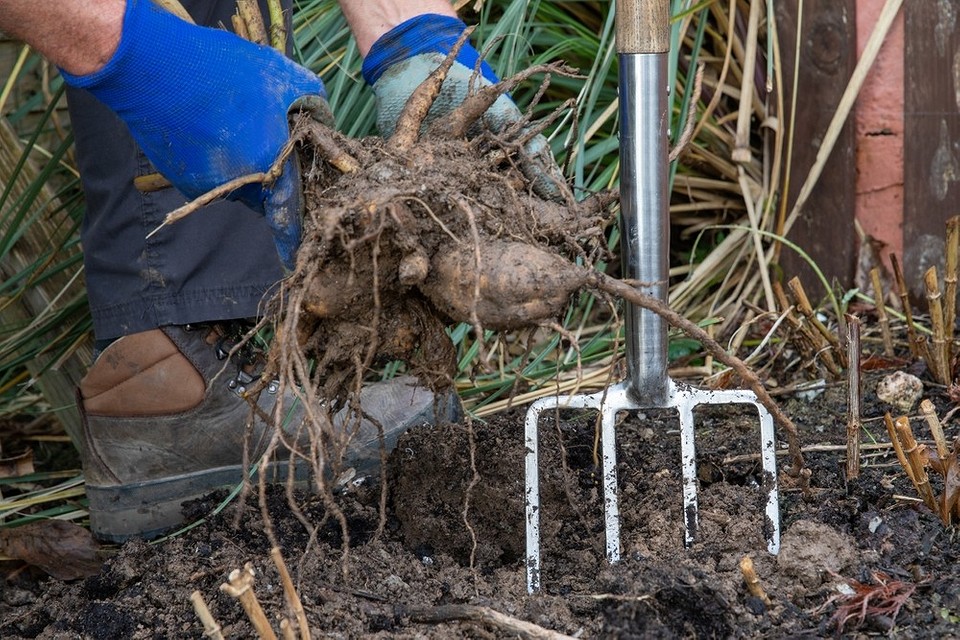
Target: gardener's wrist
pixel 77 36
pixel 370 19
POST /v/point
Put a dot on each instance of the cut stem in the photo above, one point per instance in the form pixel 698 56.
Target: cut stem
pixel 936 429
pixel 240 586
pixel 898 448
pixel 950 281
pixel 210 627
pixel 938 348
pixel 854 395
pixel 905 303
pixel 882 312
pixel 249 12
pixel 278 26
pixel 912 451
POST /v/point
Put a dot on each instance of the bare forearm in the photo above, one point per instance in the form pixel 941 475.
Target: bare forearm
pixel 370 19
pixel 77 35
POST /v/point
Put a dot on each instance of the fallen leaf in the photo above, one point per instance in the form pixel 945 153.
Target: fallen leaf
pixel 17 466
pixel 62 549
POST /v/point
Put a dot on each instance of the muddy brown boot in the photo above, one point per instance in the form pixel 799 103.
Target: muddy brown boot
pixel 164 422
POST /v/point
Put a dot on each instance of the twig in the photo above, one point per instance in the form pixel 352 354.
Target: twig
pixel 936 429
pixel 912 449
pixel 813 448
pixel 804 306
pixel 897 447
pixel 250 13
pixel 198 203
pixel 290 593
pixel 878 298
pixel 488 616
pixel 938 348
pixel 240 586
pixel 210 627
pixel 905 303
pixel 950 280
pixel 854 391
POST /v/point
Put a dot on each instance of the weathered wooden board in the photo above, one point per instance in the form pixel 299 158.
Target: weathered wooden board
pixel 932 131
pixel 827 57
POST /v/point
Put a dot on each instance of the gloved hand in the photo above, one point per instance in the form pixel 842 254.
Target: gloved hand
pixel 207 106
pixel 403 57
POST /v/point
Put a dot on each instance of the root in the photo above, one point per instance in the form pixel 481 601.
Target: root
pixel 458 122
pixel 415 111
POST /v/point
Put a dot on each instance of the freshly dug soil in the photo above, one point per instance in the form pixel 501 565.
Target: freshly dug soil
pixel 450 501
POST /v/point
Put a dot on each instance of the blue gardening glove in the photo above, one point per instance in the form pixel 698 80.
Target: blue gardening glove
pixel 207 106
pixel 403 57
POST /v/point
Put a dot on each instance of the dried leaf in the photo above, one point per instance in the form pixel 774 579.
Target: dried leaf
pixel 62 549
pixel 951 483
pixel 17 466
pixel 876 362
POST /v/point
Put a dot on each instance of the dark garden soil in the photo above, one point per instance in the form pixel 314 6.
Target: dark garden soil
pixel 413 579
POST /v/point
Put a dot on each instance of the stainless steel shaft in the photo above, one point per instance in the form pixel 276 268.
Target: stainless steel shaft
pixel 644 212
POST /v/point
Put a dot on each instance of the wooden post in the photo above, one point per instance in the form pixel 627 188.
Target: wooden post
pixel 827 57
pixel 931 134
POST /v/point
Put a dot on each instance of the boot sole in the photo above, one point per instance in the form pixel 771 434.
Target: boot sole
pixel 147 510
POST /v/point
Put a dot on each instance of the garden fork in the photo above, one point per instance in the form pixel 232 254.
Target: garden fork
pixel 643 44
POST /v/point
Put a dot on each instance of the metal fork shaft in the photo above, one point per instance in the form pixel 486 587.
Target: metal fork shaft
pixel 644 215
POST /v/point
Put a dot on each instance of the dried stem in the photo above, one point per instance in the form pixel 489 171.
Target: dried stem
pixel 290 593
pixel 240 586
pixel 752 580
pixel 686 136
pixel 950 280
pixel 905 303
pixel 278 26
pixel 878 298
pixel 817 347
pixel 915 459
pixel 239 26
pixel 741 151
pixel 936 429
pixel 210 627
pixel 804 306
pixel 249 12
pixel 898 448
pixel 418 105
pixel 854 395
pixel 938 348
